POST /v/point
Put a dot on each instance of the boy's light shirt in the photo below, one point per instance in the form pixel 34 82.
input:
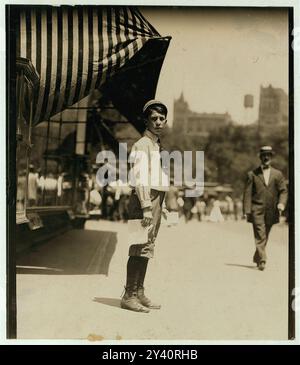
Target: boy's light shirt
pixel 146 169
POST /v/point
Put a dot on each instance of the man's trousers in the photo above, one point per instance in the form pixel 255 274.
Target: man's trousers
pixel 261 234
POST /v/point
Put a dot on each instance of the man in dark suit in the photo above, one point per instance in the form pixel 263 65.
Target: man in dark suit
pixel 265 198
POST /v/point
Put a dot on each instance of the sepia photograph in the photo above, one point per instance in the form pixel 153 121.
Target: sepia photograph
pixel 150 173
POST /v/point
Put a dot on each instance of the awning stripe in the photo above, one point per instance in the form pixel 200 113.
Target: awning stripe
pixel 54 60
pixel 90 52
pixel 75 45
pixel 140 24
pixel 18 34
pixel 49 59
pixel 134 30
pixel 69 56
pixel 116 36
pixel 95 39
pixel 38 41
pixel 98 65
pixel 59 60
pixel 43 52
pixel 124 29
pixel 104 49
pixel 76 49
pixel 149 26
pixel 121 39
pixel 80 54
pixel 33 37
pixel 28 33
pixel 23 35
pixel 110 53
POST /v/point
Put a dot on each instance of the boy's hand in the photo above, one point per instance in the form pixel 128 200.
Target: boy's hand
pixel 248 217
pixel 165 213
pixel 148 218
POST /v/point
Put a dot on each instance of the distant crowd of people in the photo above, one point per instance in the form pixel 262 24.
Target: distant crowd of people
pixel 57 189
pixel 111 201
pixel 43 189
pixel 206 208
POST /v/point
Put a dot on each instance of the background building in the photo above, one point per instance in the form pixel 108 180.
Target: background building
pixel 273 108
pixel 196 124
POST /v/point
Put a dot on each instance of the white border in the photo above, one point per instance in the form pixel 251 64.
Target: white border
pixel 230 3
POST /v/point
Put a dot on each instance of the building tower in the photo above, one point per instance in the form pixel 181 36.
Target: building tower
pixel 181 110
pixel 273 108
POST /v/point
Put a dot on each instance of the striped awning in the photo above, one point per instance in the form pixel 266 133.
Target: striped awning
pixel 76 49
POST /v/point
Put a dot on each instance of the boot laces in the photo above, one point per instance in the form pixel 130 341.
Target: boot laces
pixel 130 291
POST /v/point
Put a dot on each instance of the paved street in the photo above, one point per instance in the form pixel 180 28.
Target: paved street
pixel 70 287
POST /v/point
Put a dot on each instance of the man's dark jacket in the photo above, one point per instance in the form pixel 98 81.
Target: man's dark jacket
pixel 260 200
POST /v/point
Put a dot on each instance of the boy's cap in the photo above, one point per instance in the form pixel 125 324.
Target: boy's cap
pixel 154 102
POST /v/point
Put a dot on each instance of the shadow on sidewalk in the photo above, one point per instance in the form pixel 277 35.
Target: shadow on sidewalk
pixel 113 302
pixel 77 252
pixel 244 266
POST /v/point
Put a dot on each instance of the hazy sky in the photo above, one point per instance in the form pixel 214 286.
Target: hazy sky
pixel 216 56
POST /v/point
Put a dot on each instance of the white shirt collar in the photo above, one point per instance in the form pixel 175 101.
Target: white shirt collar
pixel 151 135
pixel 262 168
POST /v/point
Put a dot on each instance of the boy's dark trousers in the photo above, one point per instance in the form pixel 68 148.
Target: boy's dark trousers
pixel 139 254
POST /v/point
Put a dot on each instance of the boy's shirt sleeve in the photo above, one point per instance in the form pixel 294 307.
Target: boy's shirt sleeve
pixel 140 171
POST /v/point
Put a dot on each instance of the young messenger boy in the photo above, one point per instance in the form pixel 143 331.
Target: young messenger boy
pixel 145 203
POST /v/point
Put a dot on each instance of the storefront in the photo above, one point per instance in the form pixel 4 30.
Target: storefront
pixel 59 56
pixel 71 52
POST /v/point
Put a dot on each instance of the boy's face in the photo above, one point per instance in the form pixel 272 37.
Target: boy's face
pixel 156 122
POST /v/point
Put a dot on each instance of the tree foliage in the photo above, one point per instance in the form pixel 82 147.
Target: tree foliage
pixel 231 151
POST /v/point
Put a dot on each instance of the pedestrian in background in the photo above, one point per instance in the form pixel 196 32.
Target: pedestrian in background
pixel 265 198
pixel 171 198
pixel 187 208
pixel 216 214
pixel 201 206
pixel 33 182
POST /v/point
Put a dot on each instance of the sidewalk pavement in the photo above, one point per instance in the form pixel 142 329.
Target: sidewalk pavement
pixel 202 274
